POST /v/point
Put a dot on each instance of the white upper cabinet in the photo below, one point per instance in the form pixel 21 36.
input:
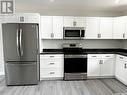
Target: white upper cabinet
pixel 46 27
pixel 74 21
pixel 106 27
pixel 58 27
pixel 125 27
pixel 99 27
pixel 51 27
pixel 80 21
pixel 119 28
pixel 92 27
pixel 68 21
pixel 95 27
pixel 22 18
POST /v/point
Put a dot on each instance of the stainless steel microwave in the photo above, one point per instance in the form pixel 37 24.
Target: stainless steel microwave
pixel 74 32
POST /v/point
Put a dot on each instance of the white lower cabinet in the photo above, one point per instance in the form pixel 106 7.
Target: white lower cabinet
pixel 51 66
pixel 51 73
pixel 93 67
pixel 101 65
pixel 121 68
pixel 108 67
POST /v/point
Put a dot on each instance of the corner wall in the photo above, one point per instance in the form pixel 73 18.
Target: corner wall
pixel 125 44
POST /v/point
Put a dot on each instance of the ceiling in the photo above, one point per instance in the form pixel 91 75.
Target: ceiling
pixel 81 5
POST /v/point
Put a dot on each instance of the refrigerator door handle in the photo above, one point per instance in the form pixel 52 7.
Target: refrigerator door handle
pixel 21 48
pixel 17 42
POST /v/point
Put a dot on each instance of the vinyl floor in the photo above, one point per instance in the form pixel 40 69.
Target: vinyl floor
pixel 86 87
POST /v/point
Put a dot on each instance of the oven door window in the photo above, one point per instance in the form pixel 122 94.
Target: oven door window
pixel 75 65
pixel 72 33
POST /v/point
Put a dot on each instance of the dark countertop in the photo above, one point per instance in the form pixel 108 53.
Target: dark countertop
pixel 52 51
pixel 88 51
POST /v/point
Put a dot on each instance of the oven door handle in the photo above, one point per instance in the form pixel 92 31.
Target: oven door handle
pixel 75 56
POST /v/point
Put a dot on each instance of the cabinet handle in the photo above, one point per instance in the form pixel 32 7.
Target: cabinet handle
pixel 51 56
pixel 52 35
pixel 52 63
pixel 125 66
pixel 121 57
pixel 52 73
pixel 21 19
pixel 94 56
pixel 99 35
pixel 101 62
pixel 123 35
pixel 107 56
pixel 74 23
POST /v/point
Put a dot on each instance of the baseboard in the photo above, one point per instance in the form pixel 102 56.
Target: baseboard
pixel 125 83
pixel 58 78
pixel 99 77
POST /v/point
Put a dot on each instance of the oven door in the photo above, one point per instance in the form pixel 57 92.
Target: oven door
pixel 75 64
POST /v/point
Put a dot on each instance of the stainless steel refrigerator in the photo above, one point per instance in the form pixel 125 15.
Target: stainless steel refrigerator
pixel 21 56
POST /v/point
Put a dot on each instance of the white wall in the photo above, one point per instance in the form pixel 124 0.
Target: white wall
pixel 125 44
pixel 1 53
pixel 125 13
pixel 70 12
pixel 86 43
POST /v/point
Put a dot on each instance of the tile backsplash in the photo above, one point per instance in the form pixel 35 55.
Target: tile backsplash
pixel 57 44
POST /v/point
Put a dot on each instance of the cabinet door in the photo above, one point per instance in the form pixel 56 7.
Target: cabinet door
pixel 119 28
pixel 80 21
pixel 125 27
pixel 58 27
pixel 32 19
pixel 68 21
pixel 92 27
pixel 108 67
pixel 1 52
pixel 46 27
pixel 106 27
pixel 93 67
pixel 119 66
pixel 51 73
pixel 11 19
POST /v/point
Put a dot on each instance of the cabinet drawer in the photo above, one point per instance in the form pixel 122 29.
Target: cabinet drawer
pixel 101 55
pixel 94 55
pixel 51 73
pixel 108 56
pixel 50 63
pixel 121 57
pixel 52 56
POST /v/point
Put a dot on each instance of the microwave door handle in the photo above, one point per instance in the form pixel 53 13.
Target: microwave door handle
pixel 80 33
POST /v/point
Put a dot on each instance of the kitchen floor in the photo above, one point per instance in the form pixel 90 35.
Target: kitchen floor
pixel 87 87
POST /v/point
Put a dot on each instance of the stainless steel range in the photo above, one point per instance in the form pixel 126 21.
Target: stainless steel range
pixel 75 62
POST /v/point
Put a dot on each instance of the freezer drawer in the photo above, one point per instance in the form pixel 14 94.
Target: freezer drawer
pixel 21 73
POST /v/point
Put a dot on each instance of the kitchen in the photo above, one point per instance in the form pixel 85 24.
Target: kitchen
pixel 68 52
